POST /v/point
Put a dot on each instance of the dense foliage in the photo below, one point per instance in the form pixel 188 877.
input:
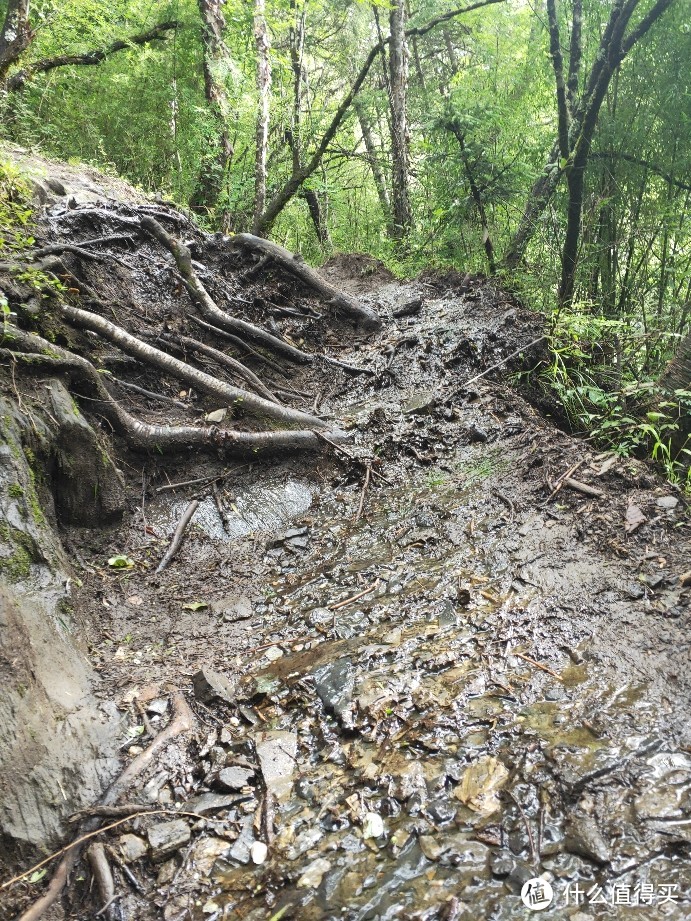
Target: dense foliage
pixel 233 108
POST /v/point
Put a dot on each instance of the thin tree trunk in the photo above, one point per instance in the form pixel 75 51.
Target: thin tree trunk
pixel 262 44
pixel 398 76
pixel 477 198
pixel 215 164
pixel 373 160
pixel 16 35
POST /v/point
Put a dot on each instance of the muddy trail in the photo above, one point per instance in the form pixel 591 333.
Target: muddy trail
pixel 396 676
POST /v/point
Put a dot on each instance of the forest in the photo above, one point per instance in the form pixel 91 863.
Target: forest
pixel 345 459
pixel 547 144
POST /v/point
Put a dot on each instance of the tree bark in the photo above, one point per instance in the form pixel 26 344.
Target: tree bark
pixel 216 162
pixel 398 78
pixel 262 44
pixel 16 35
pixel 373 161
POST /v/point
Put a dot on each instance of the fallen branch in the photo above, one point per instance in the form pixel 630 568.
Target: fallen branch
pixel 495 367
pixel 179 534
pixel 149 394
pixel 543 668
pixel 583 488
pixel 104 879
pixel 343 303
pixel 366 591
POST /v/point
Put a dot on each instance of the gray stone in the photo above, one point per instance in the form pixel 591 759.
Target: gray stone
pixel 233 608
pixel 131 847
pixel 210 686
pixel 667 502
pixel 216 417
pixel 583 837
pixel 234 777
pixel 421 402
pixel 210 802
pixel 167 837
pixel 276 751
pixel 334 683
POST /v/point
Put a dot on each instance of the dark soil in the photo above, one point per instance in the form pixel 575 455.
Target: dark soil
pixel 504 629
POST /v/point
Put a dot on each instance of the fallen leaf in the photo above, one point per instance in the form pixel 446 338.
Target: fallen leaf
pixel 121 562
pixel 134 599
pixel 195 606
pixel 634 518
pixel 481 783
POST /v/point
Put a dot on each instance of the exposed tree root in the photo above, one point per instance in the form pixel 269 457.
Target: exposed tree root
pixel 40 355
pixel 210 310
pixel 233 365
pixel 179 534
pixel 343 303
pixel 230 396
pixel 181 721
pixel 239 344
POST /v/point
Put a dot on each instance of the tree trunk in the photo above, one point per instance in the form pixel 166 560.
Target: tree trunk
pixel 16 35
pixel 677 374
pixel 215 164
pixel 262 44
pixel 398 77
pixel 373 161
pixel 317 214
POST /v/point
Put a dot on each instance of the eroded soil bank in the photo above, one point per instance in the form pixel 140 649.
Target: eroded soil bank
pixel 423 668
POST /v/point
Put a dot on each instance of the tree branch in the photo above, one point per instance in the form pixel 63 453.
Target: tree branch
pixel 646 164
pixel 558 67
pixel 89 58
pixel 281 199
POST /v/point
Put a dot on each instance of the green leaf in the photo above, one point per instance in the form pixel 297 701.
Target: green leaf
pixel 121 562
pixel 195 606
pixel 37 875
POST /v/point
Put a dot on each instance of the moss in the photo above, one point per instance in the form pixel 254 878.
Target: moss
pixel 17 564
pixel 15 491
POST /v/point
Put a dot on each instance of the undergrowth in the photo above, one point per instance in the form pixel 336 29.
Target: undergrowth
pixel 604 372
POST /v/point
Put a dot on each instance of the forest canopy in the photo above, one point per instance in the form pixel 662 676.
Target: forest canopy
pixel 547 142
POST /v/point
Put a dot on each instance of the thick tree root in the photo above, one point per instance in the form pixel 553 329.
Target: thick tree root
pixel 366 318
pixel 208 307
pixel 233 397
pixel 143 436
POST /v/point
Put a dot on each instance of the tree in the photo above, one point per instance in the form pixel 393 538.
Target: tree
pixel 398 81
pixel 261 39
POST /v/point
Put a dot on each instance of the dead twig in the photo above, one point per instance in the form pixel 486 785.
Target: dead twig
pixel 494 367
pixel 179 534
pixel 346 601
pixel 584 488
pixel 368 473
pixel 351 456
pixel 560 482
pixel 533 852
pixel 104 879
pixel 543 668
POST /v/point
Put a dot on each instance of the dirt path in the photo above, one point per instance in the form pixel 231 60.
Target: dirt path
pixel 444 672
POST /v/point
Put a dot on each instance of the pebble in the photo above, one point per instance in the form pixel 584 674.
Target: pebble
pixel 131 847
pixel 314 874
pixel 276 751
pixel 167 837
pixel 373 825
pixel 234 778
pixel 273 653
pixel 210 685
pixel 259 852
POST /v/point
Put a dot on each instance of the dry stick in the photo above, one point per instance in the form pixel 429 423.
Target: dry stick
pixel 177 537
pixel 533 851
pixel 181 721
pixel 160 397
pixel 494 367
pixel 368 472
pixel 543 668
pixel 584 488
pixel 206 480
pixel 560 482
pixel 342 604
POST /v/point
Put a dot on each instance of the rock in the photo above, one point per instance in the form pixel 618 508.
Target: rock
pixel 210 802
pixel 167 837
pixel 421 402
pixel 481 783
pixel 167 872
pixel 206 852
pixel 667 502
pixel 259 852
pixel 210 685
pixel 242 848
pixel 273 653
pixel 158 707
pixel 373 825
pixel 334 683
pixel 216 417
pixel 234 777
pixel 233 608
pixel 583 837
pixel 314 874
pixel 131 847
pixel 276 751
pixel 477 434
pixel 430 847
pixel 319 617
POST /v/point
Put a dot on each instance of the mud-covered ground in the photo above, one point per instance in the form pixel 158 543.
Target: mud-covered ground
pixel 432 670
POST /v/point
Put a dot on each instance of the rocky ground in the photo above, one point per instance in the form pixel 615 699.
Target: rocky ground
pixel 445 657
